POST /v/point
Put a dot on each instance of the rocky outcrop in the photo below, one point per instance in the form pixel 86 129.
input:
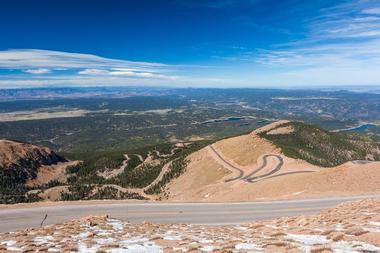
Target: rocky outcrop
pixel 26 158
pixel 24 166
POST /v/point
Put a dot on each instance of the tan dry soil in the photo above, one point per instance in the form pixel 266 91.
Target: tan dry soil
pixel 52 172
pixel 245 149
pixel 201 171
pixel 206 175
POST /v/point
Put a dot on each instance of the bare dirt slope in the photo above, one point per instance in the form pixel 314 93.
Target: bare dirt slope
pixel 14 153
pixel 48 173
pixel 32 164
pixel 249 167
pixel 350 227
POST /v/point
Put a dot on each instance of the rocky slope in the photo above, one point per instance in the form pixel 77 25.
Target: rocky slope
pixel 23 164
pixel 350 227
pixel 27 157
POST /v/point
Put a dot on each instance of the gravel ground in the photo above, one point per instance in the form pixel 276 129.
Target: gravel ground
pixel 350 227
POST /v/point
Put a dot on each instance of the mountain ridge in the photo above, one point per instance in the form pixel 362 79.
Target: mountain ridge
pixel 24 165
pixel 240 168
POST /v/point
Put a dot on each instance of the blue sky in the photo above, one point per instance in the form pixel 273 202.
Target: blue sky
pixel 221 43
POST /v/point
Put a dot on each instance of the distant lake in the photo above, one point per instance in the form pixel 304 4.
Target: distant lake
pixel 227 119
pixel 358 129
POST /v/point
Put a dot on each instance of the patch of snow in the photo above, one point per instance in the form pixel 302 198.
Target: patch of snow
pixel 145 247
pixel 138 245
pixel 308 239
pixel 373 230
pixel 204 240
pixel 81 235
pixel 271 226
pixel 39 240
pixel 118 250
pixel 104 240
pixel 353 246
pixel 375 223
pixel 342 247
pixel 365 247
pixel 82 248
pixel 247 246
pixel 207 248
pixel 14 249
pixel 8 243
pixel 54 250
pixel 99 231
pixel 170 237
pixel 241 228
pixel 132 240
pixel 339 227
pixel 116 224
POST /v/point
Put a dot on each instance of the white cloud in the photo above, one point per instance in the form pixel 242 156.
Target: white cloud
pixel 127 73
pixel 90 70
pixel 372 11
pixel 37 71
pixel 33 58
pixel 341 47
pixel 93 72
pixel 75 67
pixel 143 75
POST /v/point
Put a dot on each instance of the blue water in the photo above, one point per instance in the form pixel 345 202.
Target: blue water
pixel 224 120
pixel 359 129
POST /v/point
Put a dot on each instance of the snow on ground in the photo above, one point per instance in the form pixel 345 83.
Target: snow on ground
pixel 346 228
pixel 308 239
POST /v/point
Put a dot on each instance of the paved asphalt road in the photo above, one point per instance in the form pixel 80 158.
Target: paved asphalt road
pixel 241 172
pixel 251 179
pixel 13 219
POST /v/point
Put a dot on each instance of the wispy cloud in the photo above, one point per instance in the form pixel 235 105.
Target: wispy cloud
pixel 93 72
pixel 341 46
pixel 353 19
pixel 33 58
pixel 37 71
pixel 127 73
pixel 372 11
pixel 72 69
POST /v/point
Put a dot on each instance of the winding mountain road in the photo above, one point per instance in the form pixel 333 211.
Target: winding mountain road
pixel 12 219
pixel 240 171
pixel 251 178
